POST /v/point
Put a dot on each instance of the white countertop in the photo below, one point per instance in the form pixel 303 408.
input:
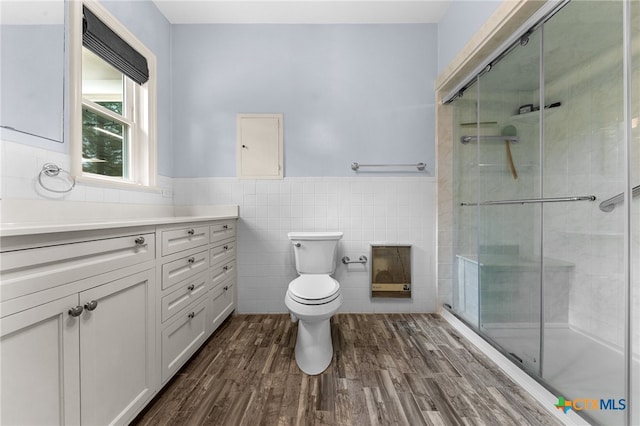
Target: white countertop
pixel 64 223
pixel 14 229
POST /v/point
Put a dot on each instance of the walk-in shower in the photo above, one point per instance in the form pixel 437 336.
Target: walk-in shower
pixel 546 156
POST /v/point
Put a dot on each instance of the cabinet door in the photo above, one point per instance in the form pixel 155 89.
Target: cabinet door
pixel 260 145
pixel 116 349
pixel 39 363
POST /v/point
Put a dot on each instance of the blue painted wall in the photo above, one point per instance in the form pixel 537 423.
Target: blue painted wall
pixel 348 93
pixel 459 24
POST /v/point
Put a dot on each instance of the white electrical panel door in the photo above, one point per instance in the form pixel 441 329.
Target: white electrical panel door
pixel 260 147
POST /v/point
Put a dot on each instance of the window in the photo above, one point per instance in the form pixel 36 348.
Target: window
pixel 113 113
pixel 107 118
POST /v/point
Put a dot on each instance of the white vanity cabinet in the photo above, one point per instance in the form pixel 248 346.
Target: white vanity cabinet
pixel 93 321
pixel 77 328
pixel 192 298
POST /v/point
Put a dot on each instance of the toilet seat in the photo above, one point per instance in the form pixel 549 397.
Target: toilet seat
pixel 314 289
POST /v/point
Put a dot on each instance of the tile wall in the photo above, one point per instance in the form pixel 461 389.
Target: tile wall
pixel 20 165
pixel 367 209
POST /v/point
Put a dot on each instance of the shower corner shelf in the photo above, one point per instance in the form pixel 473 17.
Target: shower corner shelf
pixel 533 116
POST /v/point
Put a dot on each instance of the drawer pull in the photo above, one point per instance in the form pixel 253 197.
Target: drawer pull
pixel 139 241
pixel 191 231
pixel 76 311
pixel 191 287
pixel 226 287
pixel 225 267
pixel 90 306
pixel 191 259
pixel 225 226
pixel 225 247
pixel 191 315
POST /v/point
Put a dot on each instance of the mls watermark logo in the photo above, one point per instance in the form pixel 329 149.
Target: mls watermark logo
pixel 590 404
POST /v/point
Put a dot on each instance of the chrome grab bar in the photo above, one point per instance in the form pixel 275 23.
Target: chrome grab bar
pixel 467 139
pixel 362 259
pixel 356 166
pixel 533 200
pixel 610 204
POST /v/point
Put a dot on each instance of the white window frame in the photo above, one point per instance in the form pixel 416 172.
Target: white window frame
pixel 143 162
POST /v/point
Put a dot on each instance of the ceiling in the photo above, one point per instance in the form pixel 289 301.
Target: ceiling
pixel 302 11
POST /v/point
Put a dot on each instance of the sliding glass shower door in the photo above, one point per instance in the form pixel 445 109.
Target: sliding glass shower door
pixel 584 153
pixel 545 159
pixel 508 155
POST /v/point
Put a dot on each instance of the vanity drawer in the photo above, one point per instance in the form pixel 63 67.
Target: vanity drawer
pixel 28 271
pixel 222 273
pixel 223 253
pixel 183 337
pixel 188 291
pixel 176 240
pixel 183 268
pixel 222 231
pixel 222 303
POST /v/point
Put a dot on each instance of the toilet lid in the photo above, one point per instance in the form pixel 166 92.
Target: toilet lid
pixel 313 286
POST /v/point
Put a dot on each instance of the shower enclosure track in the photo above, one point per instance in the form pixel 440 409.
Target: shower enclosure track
pixel 610 204
pixel 533 201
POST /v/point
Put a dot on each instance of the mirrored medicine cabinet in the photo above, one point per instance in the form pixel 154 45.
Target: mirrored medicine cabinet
pixel 32 49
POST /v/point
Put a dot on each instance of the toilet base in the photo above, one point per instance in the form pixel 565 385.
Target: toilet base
pixel 314 349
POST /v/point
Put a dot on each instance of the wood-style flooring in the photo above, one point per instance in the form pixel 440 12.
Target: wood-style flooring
pixel 388 369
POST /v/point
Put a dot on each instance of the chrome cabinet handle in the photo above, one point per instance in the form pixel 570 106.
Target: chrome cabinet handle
pixel 225 267
pixel 226 247
pixel 225 288
pixel 191 259
pixel 139 241
pixel 191 287
pixel 76 311
pixel 225 226
pixel 90 306
pixel 191 231
pixel 191 315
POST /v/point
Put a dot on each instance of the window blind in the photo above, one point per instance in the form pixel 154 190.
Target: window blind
pixel 105 43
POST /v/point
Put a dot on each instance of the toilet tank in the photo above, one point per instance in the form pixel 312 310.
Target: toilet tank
pixel 315 252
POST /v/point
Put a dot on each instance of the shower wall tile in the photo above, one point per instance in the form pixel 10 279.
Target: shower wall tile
pixel 445 200
pixel 584 156
pixel 368 210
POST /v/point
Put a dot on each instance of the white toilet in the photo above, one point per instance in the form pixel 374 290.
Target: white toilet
pixel 314 297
